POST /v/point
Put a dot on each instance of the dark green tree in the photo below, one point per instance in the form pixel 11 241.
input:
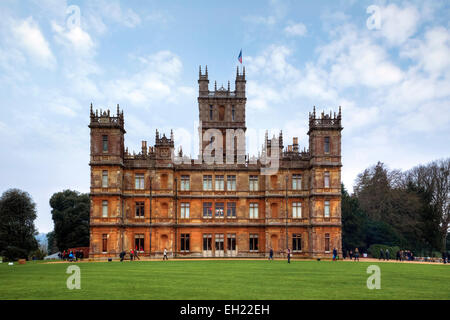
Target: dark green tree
pixel 354 222
pixel 51 243
pixel 17 230
pixel 70 213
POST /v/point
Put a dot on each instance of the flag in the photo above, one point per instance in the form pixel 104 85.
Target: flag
pixel 240 57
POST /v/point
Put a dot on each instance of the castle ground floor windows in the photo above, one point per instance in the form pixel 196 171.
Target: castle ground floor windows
pixel 215 241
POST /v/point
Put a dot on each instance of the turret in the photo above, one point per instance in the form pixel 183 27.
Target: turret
pixel 203 82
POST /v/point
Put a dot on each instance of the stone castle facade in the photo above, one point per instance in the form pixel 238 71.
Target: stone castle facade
pixel 232 208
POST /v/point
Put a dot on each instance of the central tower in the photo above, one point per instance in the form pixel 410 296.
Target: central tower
pixel 222 110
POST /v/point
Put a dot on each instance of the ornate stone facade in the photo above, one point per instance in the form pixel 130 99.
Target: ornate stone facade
pixel 198 209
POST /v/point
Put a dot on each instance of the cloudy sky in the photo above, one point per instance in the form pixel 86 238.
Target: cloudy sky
pixel 386 63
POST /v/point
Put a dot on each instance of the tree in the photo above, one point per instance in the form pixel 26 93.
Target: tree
pixel 393 210
pixel 70 213
pixel 51 243
pixel 354 222
pixel 432 180
pixel 17 230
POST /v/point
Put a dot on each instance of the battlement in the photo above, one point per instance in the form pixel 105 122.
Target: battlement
pixel 103 119
pixel 326 121
pixel 163 141
pixel 221 92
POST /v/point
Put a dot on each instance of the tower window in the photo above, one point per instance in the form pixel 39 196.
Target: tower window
pixel 104 242
pixel 185 183
pixel 326 145
pixel 231 183
pixel 105 179
pixel 327 242
pixel 207 182
pixel 326 182
pixel 233 113
pixel 105 208
pixel 139 181
pixel 219 183
pixel 326 212
pixel 297 181
pixel 210 112
pixel 105 143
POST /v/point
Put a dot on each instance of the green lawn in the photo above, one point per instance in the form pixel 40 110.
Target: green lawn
pixel 225 279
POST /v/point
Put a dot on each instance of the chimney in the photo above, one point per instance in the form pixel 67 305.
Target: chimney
pixel 144 147
pixel 295 144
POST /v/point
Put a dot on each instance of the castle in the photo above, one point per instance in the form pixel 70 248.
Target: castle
pixel 222 204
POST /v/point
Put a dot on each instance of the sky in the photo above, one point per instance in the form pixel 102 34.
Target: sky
pixel 387 63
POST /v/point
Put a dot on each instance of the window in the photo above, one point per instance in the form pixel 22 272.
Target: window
pixel 326 182
pixel 104 243
pixel 105 179
pixel 231 242
pixel 219 183
pixel 326 145
pixel 185 183
pixel 327 242
pixel 140 209
pixel 105 143
pixel 184 210
pixel 185 243
pixel 253 245
pixel 231 210
pixel 296 242
pixel 233 113
pixel 207 242
pixel 219 242
pixel 139 181
pixel 296 210
pixel 253 211
pixel 210 112
pixel 231 183
pixel 207 182
pixel 219 209
pixel 297 181
pixel 207 209
pixel 139 242
pixel 326 209
pixel 253 183
pixel 105 208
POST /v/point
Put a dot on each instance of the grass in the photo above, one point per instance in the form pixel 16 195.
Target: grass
pixel 225 279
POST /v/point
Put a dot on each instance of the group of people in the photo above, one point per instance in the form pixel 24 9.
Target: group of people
pixel 70 256
pixel 385 255
pixel 405 255
pixel 353 255
pixel 134 254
